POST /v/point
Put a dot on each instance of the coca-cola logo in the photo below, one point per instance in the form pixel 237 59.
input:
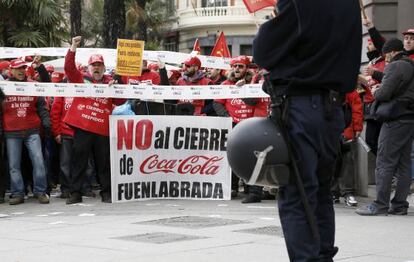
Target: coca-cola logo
pixel 68 102
pixel 196 164
pixel 237 102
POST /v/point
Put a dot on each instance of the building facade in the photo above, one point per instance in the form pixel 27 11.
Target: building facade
pixel 205 19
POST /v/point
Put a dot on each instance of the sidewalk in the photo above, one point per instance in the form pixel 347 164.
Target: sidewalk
pixel 178 230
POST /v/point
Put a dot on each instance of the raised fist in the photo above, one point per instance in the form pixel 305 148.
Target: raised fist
pixel 76 40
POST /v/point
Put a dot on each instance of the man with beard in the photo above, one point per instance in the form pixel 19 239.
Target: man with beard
pixel 89 117
pixel 192 75
pixel 238 110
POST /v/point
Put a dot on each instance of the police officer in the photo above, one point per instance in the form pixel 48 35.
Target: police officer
pixel 312 60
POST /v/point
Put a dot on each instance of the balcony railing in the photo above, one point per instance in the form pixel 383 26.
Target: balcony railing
pixel 199 17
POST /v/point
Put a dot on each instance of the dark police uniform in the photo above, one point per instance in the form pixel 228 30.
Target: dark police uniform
pixel 312 50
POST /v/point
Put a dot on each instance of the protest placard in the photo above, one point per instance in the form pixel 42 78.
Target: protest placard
pixel 168 157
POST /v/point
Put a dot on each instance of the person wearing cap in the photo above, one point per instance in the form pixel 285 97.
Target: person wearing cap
pixel 239 109
pixel 143 107
pixel 397 133
pixel 192 75
pixel 89 117
pixel 216 76
pixel 4 70
pixel 409 42
pixel 23 117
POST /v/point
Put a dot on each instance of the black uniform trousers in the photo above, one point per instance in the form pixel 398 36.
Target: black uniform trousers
pixel 84 143
pixel 315 139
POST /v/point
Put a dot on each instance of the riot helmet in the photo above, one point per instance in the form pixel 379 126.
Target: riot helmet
pixel 258 152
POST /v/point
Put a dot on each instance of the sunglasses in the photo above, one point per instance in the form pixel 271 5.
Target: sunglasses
pixel 238 66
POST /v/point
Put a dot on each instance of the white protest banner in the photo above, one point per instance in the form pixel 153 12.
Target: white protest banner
pixel 166 157
pixel 83 54
pixel 141 91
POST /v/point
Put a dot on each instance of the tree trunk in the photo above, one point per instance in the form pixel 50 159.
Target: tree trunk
pixel 75 17
pixel 142 24
pixel 114 22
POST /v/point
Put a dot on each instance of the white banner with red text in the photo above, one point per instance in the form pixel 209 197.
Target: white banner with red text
pixel 164 157
pixel 141 91
pixel 83 54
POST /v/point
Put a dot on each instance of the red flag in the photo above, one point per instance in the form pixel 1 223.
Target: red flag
pixel 255 5
pixel 197 46
pixel 221 48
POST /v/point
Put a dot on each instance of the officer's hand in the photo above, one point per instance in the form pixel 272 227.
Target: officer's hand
pixel 58 139
pixel 369 71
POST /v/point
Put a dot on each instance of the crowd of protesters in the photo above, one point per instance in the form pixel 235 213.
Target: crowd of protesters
pixel 66 139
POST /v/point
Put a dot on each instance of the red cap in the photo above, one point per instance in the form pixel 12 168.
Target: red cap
pixel 27 58
pixel 193 61
pixel 153 66
pixel 369 40
pixel 50 68
pixel 95 59
pixel 240 60
pixel 4 65
pixel 57 77
pixel 409 32
pixel 17 63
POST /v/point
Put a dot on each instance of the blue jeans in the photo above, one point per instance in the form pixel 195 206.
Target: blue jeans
pixel 14 154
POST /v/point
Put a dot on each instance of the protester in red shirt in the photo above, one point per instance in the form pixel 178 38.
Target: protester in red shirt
pixel 343 184
pixel 192 75
pixel 89 117
pixel 23 118
pixel 239 109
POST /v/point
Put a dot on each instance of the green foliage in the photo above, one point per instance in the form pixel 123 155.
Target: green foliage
pixel 155 17
pixel 26 23
pixel 92 23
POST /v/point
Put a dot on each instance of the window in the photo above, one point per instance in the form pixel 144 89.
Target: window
pixel 246 50
pixel 213 3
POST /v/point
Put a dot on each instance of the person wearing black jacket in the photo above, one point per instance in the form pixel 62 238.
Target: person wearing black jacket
pixel 397 133
pixel 313 58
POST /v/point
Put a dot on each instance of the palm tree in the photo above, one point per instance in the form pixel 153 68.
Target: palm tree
pixel 26 23
pixel 146 20
pixel 92 25
pixel 75 17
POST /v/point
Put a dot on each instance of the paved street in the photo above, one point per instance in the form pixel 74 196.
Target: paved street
pixel 184 231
